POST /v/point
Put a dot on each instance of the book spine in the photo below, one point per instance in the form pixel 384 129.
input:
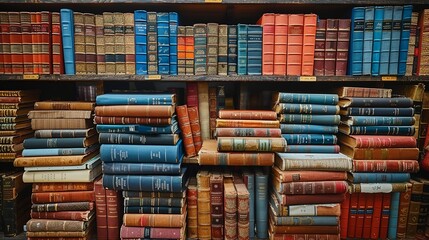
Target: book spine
pixel 343 42
pixel 51 197
pixel 191 94
pixel 119 35
pixel 135 111
pixel 411 61
pixel 380 177
pixel 141 129
pixel 173 27
pixel 230 209
pixel 141 41
pixel 291 108
pixel 267 21
pixel 192 210
pixel 248 132
pixel 141 153
pixel 200 49
pixel 383 121
pixel 153 202
pixel 163 40
pixel 280 43
pixel 57 151
pixel 394 213
pixel 100 209
pixel 229 123
pixel 360 215
pixel 377 40
pixel 330 46
pixel 386 37
pixel 404 204
pixel 68 206
pixel 39 225
pixel 385 166
pixel 150 232
pixel 212 110
pixel 254 50
pixel 152 42
pixel 77 133
pixel 351 227
pixel 319 51
pixel 261 202
pixel 232 49
pixel 405 37
pixel 129 41
pixel 61 187
pixel 194 121
pixel 368 39
pixel 132 120
pixel 308 48
pixel 247 115
pixel 181 50
pixel 395 40
pixel 242 208
pixel 203 204
pixel 114 213
pixel 90 47
pixel 133 99
pixel 313 164
pixel 79 43
pixel 308 129
pixel 15 35
pixel 311 119
pixel 143 183
pixel 326 187
pixel 5 37
pixel 242 49
pixel 251 144
pixel 57 45
pixel 186 132
pixel 344 219
pixel 100 44
pixel 356 41
pixel 236 159
pixel 310 139
pixel 305 221
pixel 123 138
pixel 383 130
pixel 386 153
pixel 324 99
pixel 313 149
pixel 109 43
pixel 385 215
pixel 294 44
pixel 54 143
pixel 212 48
pixel 140 168
pixel 64 215
pixel 217 207
pixel 67 32
pixel 414 208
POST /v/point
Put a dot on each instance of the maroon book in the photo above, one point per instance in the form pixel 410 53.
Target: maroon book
pixel 342 47
pixel 331 46
pixel 319 51
pixel 100 208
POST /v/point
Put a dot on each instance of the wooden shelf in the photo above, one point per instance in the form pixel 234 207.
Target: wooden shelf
pixel 209 78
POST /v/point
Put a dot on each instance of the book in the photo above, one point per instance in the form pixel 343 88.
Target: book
pixel 67 206
pixel 386 36
pixel 100 208
pixel 261 203
pixel 247 114
pixel 154 220
pixel 248 132
pixel 319 51
pixel 140 129
pixel 380 153
pixel 186 132
pixel 368 39
pixel 71 160
pixel 309 98
pixel 377 40
pixel 356 41
pixel 395 40
pixel 41 225
pixel 315 109
pixel 399 102
pixel 59 151
pixel 87 175
pixel 404 204
pixel 230 208
pixel 217 205
pixel 192 210
pixel 64 133
pixel 63 105
pixel 135 111
pixel 310 119
pixel 60 187
pixel 330 53
pixel 365 177
pixel 325 187
pixel 140 30
pixel 40 143
pixel 362 92
pixel 249 144
pixel 232 123
pixel 385 166
pixel 308 129
pixel 249 180
pixel 67 33
pixel 151 232
pixel 74 123
pixel 313 148
pixel 377 130
pixel 267 21
pixel 302 161
pixel 310 139
pixel 57 197
pixel 343 42
pixel 307 176
pixel 405 37
pixel 309 38
pixel 138 139
pixel 194 121
pixel 140 168
pixel 379 121
pixel 136 99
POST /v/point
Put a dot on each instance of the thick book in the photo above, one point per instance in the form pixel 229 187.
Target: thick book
pixel 394 213
pixel 304 229
pixel 136 99
pixel 232 123
pixel 395 40
pixel 67 206
pixel 194 121
pixel 70 160
pixel 58 197
pixel 356 41
pixel 90 164
pixel 325 187
pixel 303 220
pixel 192 208
pixel 377 130
pixel 138 139
pixel 217 205
pixel 135 111
pixel 63 105
pixel 386 37
pixel 307 176
pixel 404 206
pixel 367 177
pixel 399 102
pixel 309 98
pixel 267 21
pixel 40 143
pixel 248 132
pixel 313 148
pixel 310 119
pixel 100 208
pixel 377 111
pixel 377 40
pixel 73 123
pixel 63 215
pixel 50 225
pixel 158 183
pixel 319 51
pixel 53 114
pixel 209 155
pixel 59 151
pixel 67 32
pixel 308 44
pixel 141 168
pixel 141 129
pixel 61 187
pixel 410 166
pixel 141 153
pixel 162 121
pixel 380 153
pixel 230 209
pixel 186 132
pixel 368 40
pixel 308 129
pixel 154 220
pixel 62 176
pixel 315 109
pixel 343 42
pixel 378 121
pixel 317 161
pixel 261 203
pixel 363 92
pixel 151 232
pixel 247 114
pixel 330 46
pixel 282 202
pixel 405 37
pixel 249 180
pixel 310 139
pixel 155 209
pixel 250 144
pixel 64 133
pixel 154 202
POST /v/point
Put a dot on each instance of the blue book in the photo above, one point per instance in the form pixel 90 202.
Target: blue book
pixel 242 49
pixel 405 38
pixel 232 49
pixel 154 201
pixel 386 36
pixel 400 102
pixel 249 180
pixel 147 183
pixel 254 50
pixel 356 41
pixel 310 139
pixel 60 142
pixel 310 119
pixel 261 203
pixel 368 177
pixel 312 98
pixel 376 47
pixel 59 151
pixel 174 23
pixel 368 39
pixel 138 139
pixel 307 108
pixel 142 129
pixel 163 33
pixel 142 153
pixel 395 40
pixel 153 210
pixel 313 148
pixel 308 128
pixel 141 168
pixel 368 111
pixel 379 121
pixel 394 215
pixel 378 130
pixel 67 35
pixel 307 221
pixel 140 29
pixel 136 99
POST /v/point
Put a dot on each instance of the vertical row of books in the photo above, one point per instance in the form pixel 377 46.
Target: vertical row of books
pixel 31 43
pixel 377 132
pixel 142 155
pixel 15 127
pixel 309 180
pixel 62 162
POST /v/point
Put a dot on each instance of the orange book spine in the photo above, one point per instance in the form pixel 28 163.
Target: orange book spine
pixel 135 111
pixel 57 197
pixel 154 220
pixel 268 25
pixel 295 44
pixel 360 215
pixel 192 210
pixel 386 153
pixel 56 46
pixel 61 187
pixel 280 43
pixel 236 159
pixel 36 40
pixel 308 176
pixel 45 40
pixel 181 50
pixel 305 229
pixel 248 132
pixel 5 39
pixel 229 123
pixel 16 43
pixel 189 42
pixel 114 213
pixel 251 144
pixel 309 43
pixel 184 124
pixel 247 114
pixel 366 233
pixel 27 46
pixel 385 214
pixel 194 120
pixel 344 218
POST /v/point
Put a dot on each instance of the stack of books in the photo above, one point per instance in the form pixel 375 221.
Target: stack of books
pixel 377 133
pixel 14 123
pixel 142 155
pixel 308 121
pixel 62 162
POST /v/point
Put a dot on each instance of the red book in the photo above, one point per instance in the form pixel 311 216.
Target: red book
pixel 36 26
pixel 45 40
pixel 151 232
pixel 360 215
pixel 57 197
pixel 344 218
pixel 16 42
pixel 65 215
pixel 194 121
pixel 114 211
pixel 309 38
pixel 342 47
pixel 310 199
pixel 268 25
pixel 280 43
pixel 192 94
pixel 385 213
pixel 305 176
pixel 248 114
pixel 132 120
pixel 285 236
pixel 376 141
pixel 410 166
pixel 368 216
pixel 4 37
pixel 364 92
pixel 319 51
pixel 324 187
pixel 248 132
pixel 184 124
pixel 354 201
pixel 295 44
pixel 56 46
pixel 100 209
pixel 192 211
pixel 216 204
pixel 331 46
pixel 376 215
pixel 27 46
pixel 212 110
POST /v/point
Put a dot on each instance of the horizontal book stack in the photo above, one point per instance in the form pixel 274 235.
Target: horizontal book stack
pixel 306 194
pixel 308 121
pixel 332 47
pixel 31 43
pixel 142 155
pixel 377 133
pixel 379 40
pixel 288 43
pixel 62 162
pixel 14 123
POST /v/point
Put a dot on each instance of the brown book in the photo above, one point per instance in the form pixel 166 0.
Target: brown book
pixel 100 48
pixel 248 132
pixel 380 153
pixel 216 204
pixel 19 93
pixel 343 38
pixel 129 43
pixel 14 112
pixel 250 144
pixel 21 99
pixel 194 121
pixel 52 114
pixel 222 66
pixel 286 200
pixel 213 102
pixel 203 107
pixel 364 92
pixel 56 39
pixel 247 114
pixel 11 148
pixel 63 105
pixel 15 139
pixel 64 133
pixel 13 185
pixel 57 197
pixel 404 204
pixel 71 123
pixel 62 187
pixel 333 209
pixel 154 220
pixel 209 155
pixel 79 43
pixel 71 160
pixel 16 105
pixel 230 123
pixel 64 215
pixel 135 111
pixel 230 208
pixel 67 206
pixel 58 235
pixel 319 51
pixel 114 211
pixel 100 208
pixel 414 208
pixel 192 210
pixel 309 38
pixel 203 204
pixel 132 120
pixel 243 205
pixel 50 225
pixel 306 176
pixel 376 141
pixel 304 229
pixel 410 166
pixel 89 40
pixel 186 132
pixel 14 126
pixel 322 187
pixel 331 46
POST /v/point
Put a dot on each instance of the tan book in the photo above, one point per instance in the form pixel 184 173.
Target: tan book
pixel 64 105
pixel 49 161
pixel 87 175
pixel 130 58
pixel 212 48
pixel 99 44
pixel 79 43
pixel 59 114
pixel 109 42
pixel 90 43
pixel 119 23
pixel 203 204
pixel 70 123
